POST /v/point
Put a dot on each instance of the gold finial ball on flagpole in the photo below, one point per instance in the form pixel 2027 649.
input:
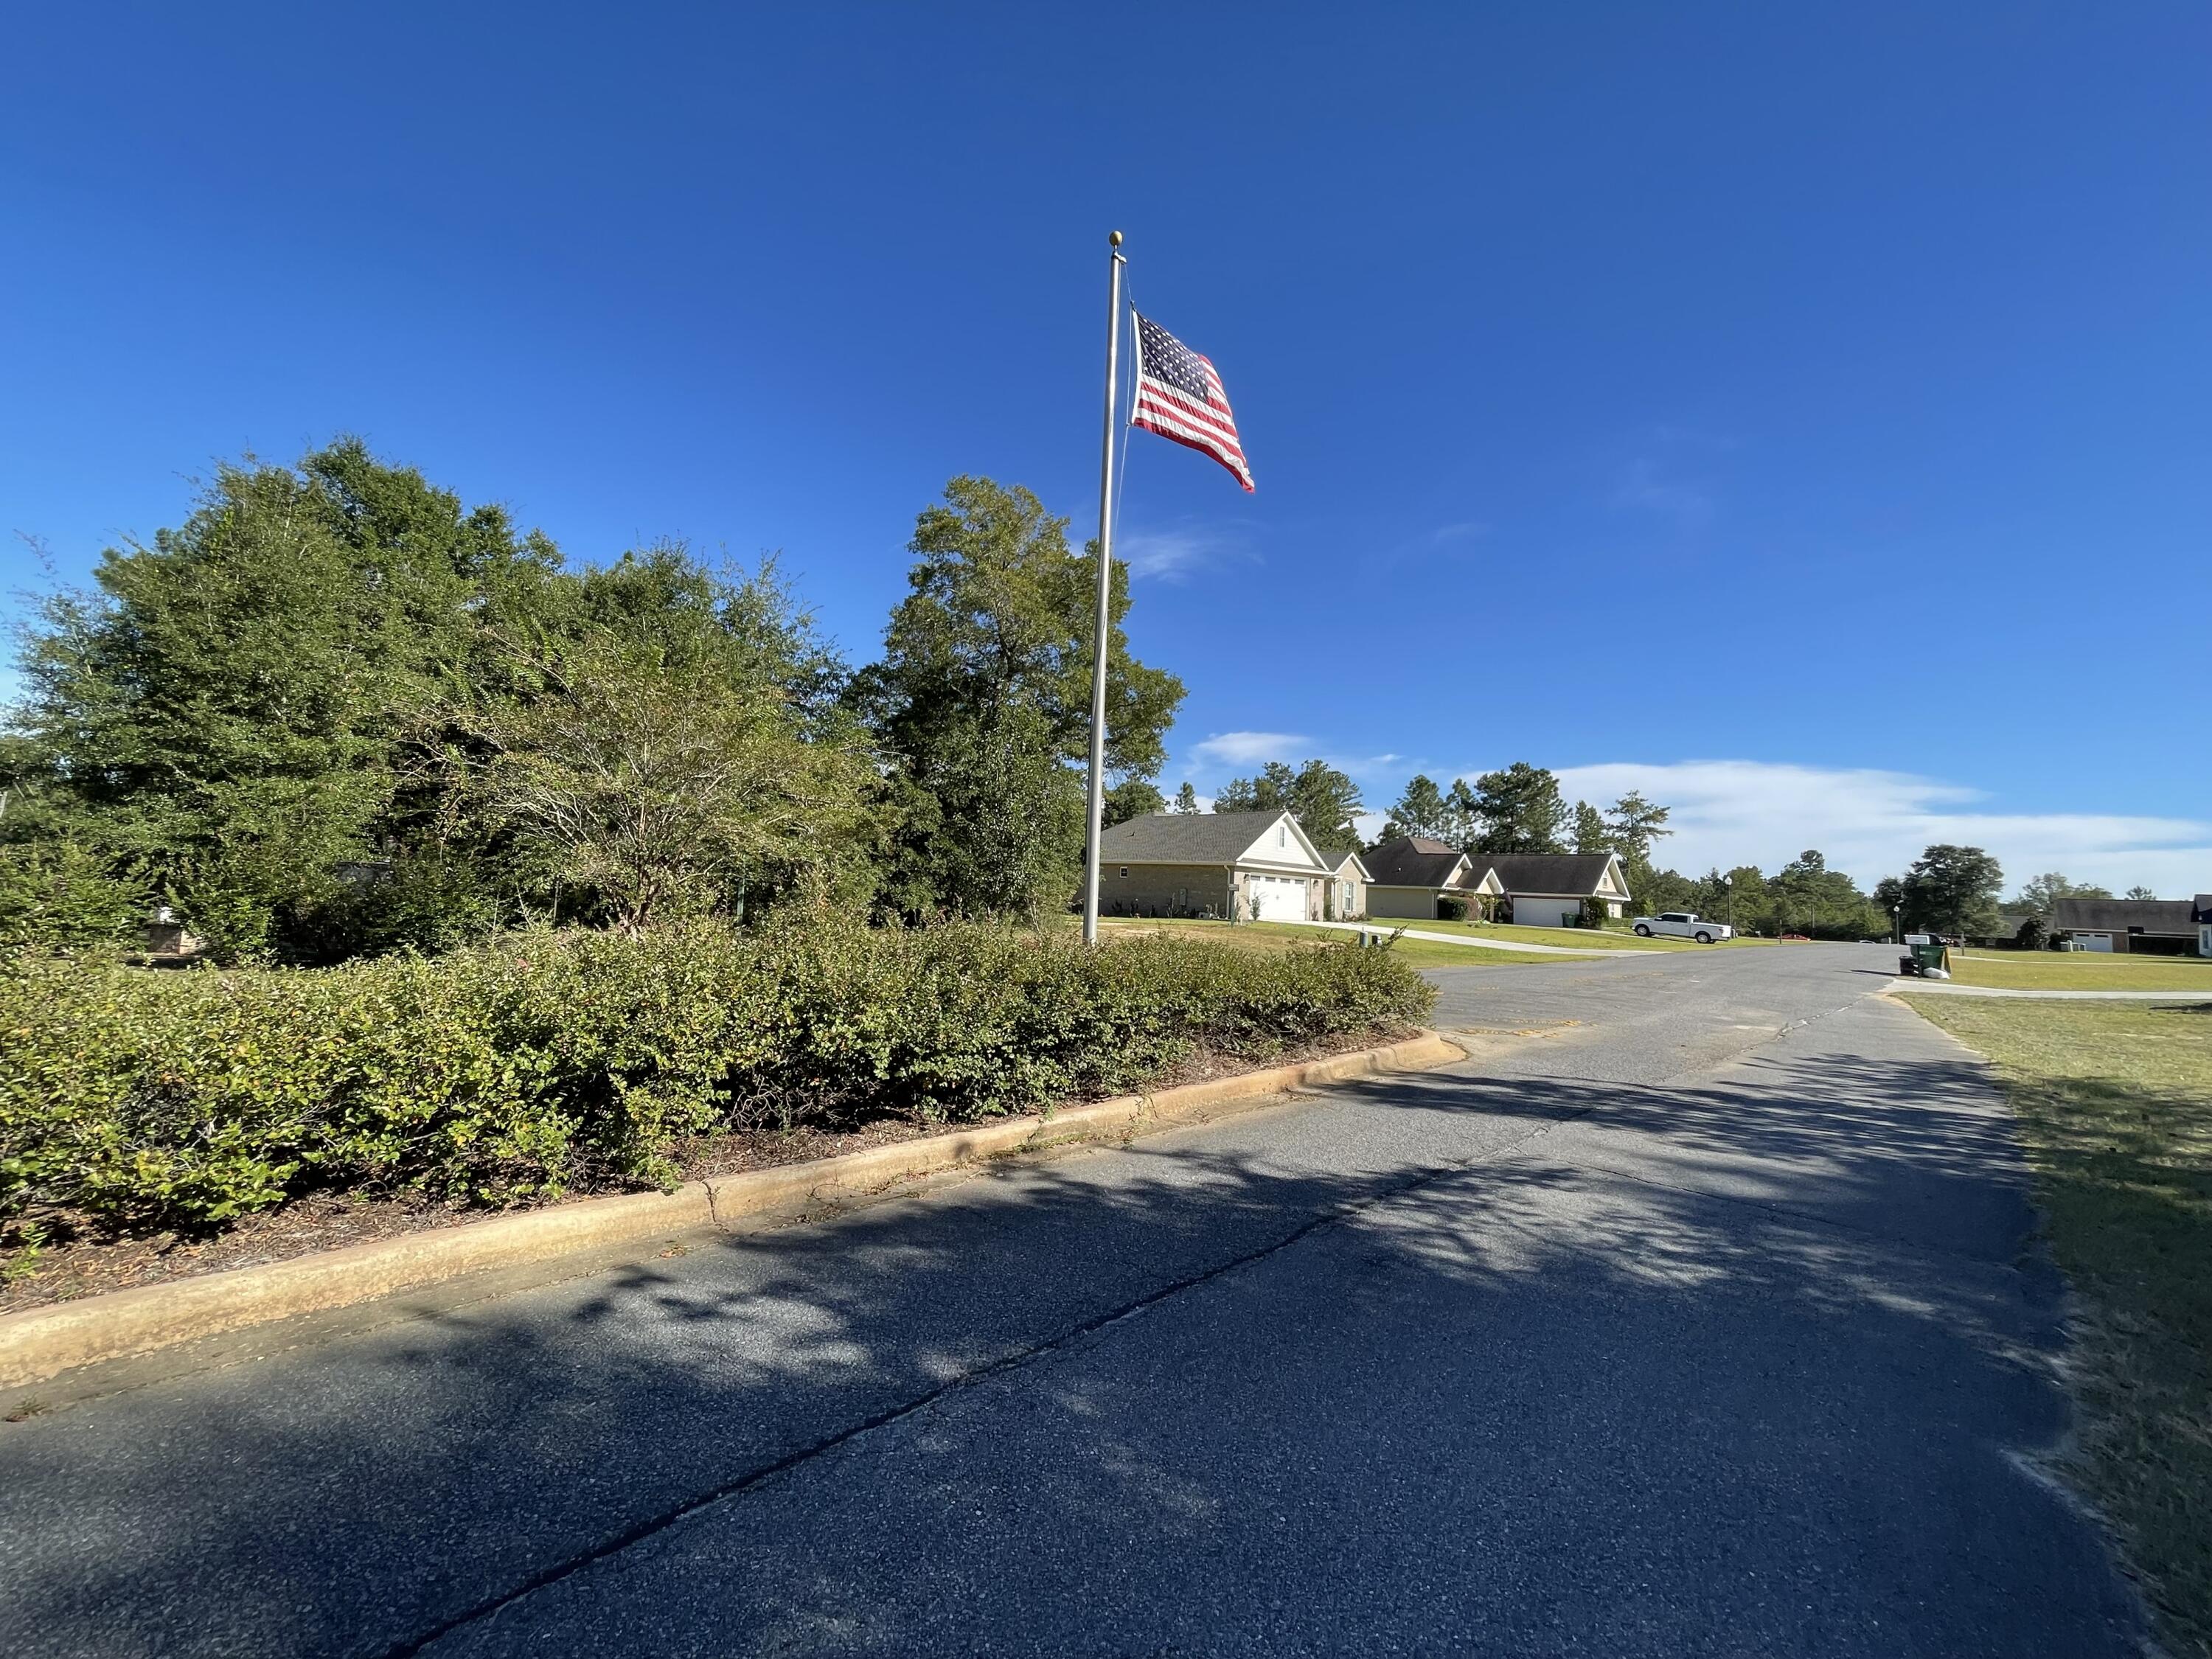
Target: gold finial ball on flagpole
pixel 1113 237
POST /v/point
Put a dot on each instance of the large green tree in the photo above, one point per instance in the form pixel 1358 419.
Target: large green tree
pixel 655 779
pixel 1430 814
pixel 282 714
pixel 1812 898
pixel 221 709
pixel 1325 801
pixel 1521 810
pixel 1592 835
pixel 1134 798
pixel 982 703
pixel 1420 811
pixel 1633 824
pixel 1951 890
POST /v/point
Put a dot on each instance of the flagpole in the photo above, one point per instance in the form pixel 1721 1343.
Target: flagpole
pixel 1101 633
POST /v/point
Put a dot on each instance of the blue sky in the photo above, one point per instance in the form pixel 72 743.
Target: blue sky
pixel 1800 413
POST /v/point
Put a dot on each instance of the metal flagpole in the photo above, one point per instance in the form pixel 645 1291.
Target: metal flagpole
pixel 1100 634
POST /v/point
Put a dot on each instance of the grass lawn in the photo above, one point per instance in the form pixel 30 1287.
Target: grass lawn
pixel 2080 970
pixel 2115 1107
pixel 1284 936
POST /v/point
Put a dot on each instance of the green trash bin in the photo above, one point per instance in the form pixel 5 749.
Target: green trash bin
pixel 1929 956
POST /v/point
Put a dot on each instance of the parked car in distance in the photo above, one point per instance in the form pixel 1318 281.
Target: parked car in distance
pixel 1681 924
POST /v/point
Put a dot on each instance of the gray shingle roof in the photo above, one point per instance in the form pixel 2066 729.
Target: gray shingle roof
pixel 1184 837
pixel 1412 861
pixel 1573 874
pixel 2096 916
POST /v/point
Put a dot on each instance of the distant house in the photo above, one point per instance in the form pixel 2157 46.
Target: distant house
pixel 1547 889
pixel 2005 930
pixel 2203 905
pixel 1347 896
pixel 2172 927
pixel 1249 865
pixel 1412 876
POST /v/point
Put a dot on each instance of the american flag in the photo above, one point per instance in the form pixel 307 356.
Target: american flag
pixel 1180 397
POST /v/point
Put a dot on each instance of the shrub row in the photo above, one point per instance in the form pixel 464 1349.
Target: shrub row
pixel 513 1071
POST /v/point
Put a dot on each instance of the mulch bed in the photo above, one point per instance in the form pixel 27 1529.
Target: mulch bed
pixel 85 1261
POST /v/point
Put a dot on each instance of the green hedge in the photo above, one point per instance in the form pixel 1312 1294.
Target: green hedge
pixel 516 1070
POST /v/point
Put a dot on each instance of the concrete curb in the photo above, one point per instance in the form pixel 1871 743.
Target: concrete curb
pixel 40 1343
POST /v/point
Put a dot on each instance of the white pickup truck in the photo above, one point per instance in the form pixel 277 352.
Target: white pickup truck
pixel 1681 924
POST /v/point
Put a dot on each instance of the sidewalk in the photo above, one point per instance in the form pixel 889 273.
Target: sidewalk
pixel 1951 988
pixel 1388 925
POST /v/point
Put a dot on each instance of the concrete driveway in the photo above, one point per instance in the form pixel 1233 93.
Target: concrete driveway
pixel 1701 1317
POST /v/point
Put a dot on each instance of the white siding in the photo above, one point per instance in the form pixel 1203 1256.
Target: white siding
pixel 1285 848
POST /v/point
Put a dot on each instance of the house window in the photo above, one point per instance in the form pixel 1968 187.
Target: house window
pixel 1124 872
pixel 1282 837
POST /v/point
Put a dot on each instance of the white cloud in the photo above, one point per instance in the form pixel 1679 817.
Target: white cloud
pixel 1669 476
pixel 1443 535
pixel 1171 556
pixel 1248 748
pixel 1444 541
pixel 1244 751
pixel 1874 823
pixel 1647 485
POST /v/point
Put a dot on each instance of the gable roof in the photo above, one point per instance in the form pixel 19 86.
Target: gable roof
pixel 1572 875
pixel 1222 838
pixel 2203 906
pixel 1414 861
pixel 2095 915
pixel 1337 861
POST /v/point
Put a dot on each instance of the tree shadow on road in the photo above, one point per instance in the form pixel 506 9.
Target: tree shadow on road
pixel 1823 1244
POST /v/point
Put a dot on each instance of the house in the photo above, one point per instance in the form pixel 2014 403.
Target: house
pixel 1412 876
pixel 1547 889
pixel 1255 865
pixel 2004 931
pixel 2172 927
pixel 2203 905
pixel 1347 896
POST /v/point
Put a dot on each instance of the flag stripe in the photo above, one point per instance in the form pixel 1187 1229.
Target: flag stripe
pixel 1151 392
pixel 1229 459
pixel 1154 418
pixel 1161 410
pixel 1198 444
pixel 1179 397
pixel 1175 416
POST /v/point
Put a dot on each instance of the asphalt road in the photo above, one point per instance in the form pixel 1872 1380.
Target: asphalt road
pixel 1701 1317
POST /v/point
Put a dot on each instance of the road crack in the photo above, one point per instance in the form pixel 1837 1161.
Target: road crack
pixel 1062 1341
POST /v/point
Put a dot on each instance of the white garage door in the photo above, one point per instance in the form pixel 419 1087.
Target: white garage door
pixel 1545 912
pixel 1277 898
